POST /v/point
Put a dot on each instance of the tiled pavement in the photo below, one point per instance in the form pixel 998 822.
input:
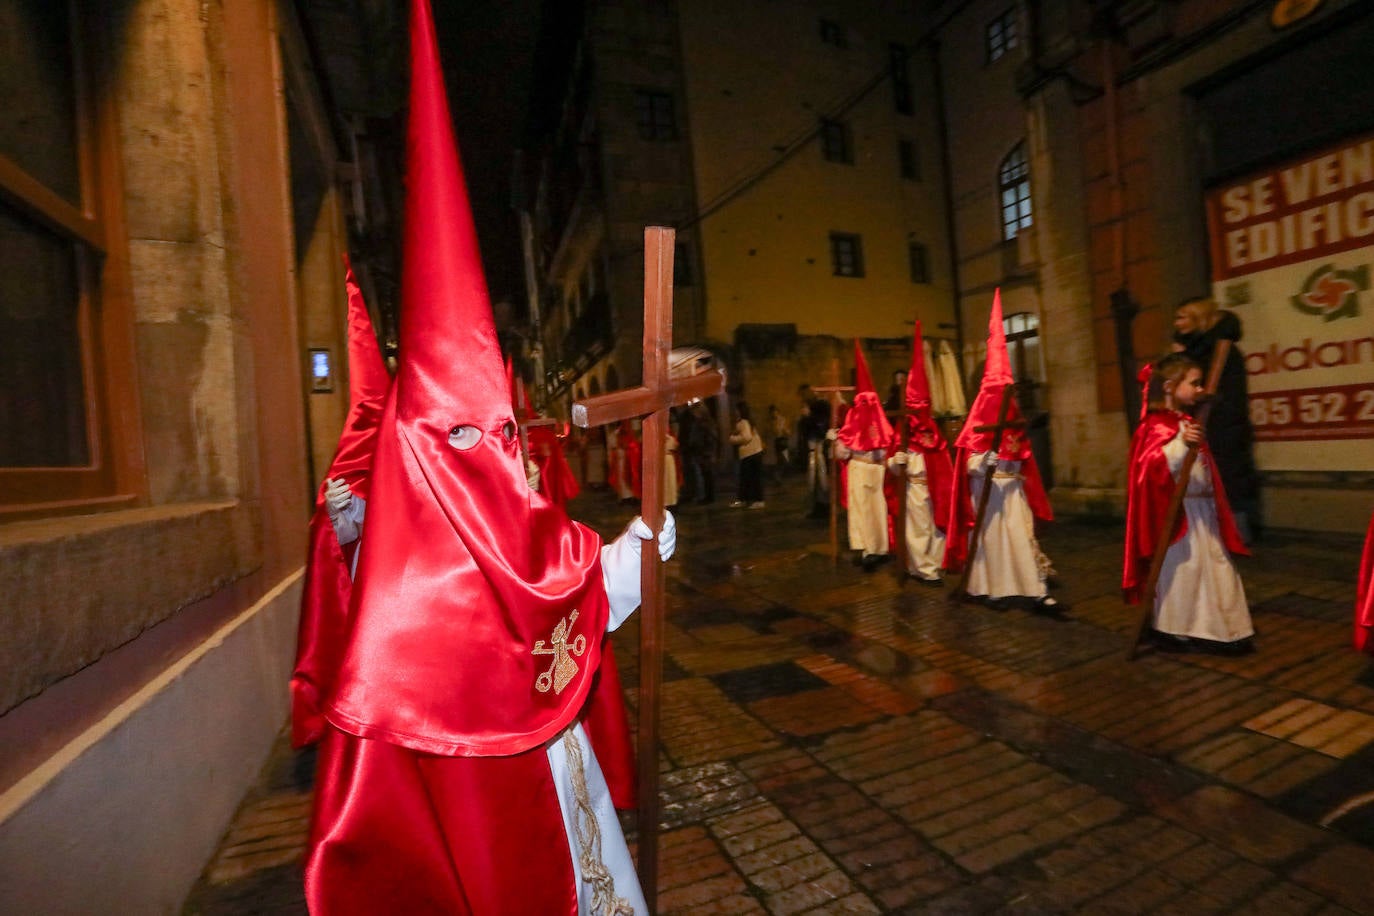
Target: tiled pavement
pixel 837 742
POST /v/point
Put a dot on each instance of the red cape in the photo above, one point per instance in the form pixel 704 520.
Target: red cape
pixel 627 442
pixel 960 509
pixel 1364 595
pixel 556 479
pixel 323 628
pixel 1149 490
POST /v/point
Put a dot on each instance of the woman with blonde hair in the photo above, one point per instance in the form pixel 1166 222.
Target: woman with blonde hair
pixel 1198 327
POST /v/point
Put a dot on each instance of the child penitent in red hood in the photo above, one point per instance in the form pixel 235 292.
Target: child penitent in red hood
pixel 925 467
pixel 862 442
pixel 1008 563
pixel 1199 599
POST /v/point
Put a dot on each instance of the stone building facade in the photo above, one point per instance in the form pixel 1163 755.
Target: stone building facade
pixel 1130 117
pixel 177 182
pixel 799 159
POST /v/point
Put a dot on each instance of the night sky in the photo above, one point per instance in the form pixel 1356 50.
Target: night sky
pixel 488 53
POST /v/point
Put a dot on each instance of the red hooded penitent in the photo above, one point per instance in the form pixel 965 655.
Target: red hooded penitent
pixel 1149 490
pixel 865 427
pixel 478 610
pixel 1364 594
pixel 328 582
pixel 923 435
pixel 557 483
pixel 970 441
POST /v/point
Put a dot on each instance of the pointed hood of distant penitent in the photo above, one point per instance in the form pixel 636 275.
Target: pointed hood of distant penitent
pixel 368 383
pixel 996 378
pixel 921 426
pixel 866 427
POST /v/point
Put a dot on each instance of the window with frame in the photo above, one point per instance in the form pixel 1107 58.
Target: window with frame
pixel 654 115
pixel 832 33
pixel 908 160
pixel 1001 35
pixel 1022 330
pixel 899 61
pixel 835 142
pixel 65 354
pixel 1013 182
pixel 846 254
pixel 919 257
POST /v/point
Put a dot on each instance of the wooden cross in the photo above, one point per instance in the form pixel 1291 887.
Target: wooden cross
pixel 836 392
pixel 1171 514
pixel 651 401
pixel 899 523
pixel 997 429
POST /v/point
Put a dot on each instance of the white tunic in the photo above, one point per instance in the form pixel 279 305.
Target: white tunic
pixel 620 572
pixel 925 543
pixel 1200 594
pixel 1009 562
pixel 867 507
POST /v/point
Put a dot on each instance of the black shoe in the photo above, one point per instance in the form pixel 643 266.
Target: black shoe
pixel 1244 646
pixel 1048 607
pixel 872 561
pixel 1168 642
pixel 937 582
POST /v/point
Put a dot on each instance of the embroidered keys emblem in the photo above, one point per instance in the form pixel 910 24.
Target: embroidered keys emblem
pixel 562 669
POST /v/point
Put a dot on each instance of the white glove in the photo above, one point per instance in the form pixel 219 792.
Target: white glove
pixel 832 434
pixel 899 458
pixel 620 564
pixel 667 538
pixel 532 474
pixel 841 451
pixel 337 497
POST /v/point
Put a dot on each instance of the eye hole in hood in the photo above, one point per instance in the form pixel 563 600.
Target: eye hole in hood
pixel 464 437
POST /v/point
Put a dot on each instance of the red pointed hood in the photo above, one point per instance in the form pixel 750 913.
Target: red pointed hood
pixel 863 379
pixel 865 426
pixel 478 609
pixel 921 427
pixel 368 384
pixel 322 629
pixel 996 377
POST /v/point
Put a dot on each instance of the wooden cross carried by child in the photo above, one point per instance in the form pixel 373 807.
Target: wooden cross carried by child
pixel 836 392
pixel 998 430
pixel 651 401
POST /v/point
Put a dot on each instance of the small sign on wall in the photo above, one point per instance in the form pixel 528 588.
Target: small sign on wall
pixel 321 371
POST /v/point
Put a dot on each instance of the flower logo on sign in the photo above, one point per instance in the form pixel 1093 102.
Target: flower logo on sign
pixel 1331 294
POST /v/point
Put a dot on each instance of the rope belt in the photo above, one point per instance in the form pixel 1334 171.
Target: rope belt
pixel 604 901
pixel 863 457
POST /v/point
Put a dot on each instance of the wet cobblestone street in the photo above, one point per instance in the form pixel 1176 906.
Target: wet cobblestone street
pixel 836 741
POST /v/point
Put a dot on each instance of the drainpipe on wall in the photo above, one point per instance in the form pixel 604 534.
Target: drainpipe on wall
pixel 942 128
pixel 1123 305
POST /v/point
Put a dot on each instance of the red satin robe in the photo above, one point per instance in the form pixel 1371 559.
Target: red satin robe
pixel 556 478
pixel 1364 595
